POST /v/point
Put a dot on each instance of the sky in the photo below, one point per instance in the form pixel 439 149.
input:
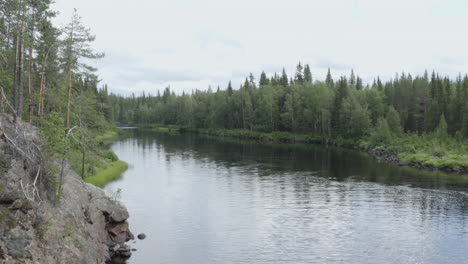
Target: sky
pixel 191 44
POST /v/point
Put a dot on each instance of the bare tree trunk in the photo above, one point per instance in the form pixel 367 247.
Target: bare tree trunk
pixel 83 164
pixel 15 77
pixel 30 89
pixel 67 125
pixel 20 75
pixel 40 109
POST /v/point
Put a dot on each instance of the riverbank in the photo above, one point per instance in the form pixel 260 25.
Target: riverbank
pixel 418 151
pixel 48 214
pixel 101 165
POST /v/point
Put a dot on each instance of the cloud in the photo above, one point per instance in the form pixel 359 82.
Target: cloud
pixel 153 43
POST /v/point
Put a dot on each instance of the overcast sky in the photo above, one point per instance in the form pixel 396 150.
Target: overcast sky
pixel 190 44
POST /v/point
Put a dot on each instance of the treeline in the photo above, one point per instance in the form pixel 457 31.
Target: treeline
pixel 45 80
pixel 344 108
pixel 42 69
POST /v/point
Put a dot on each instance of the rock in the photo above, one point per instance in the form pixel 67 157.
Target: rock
pixel 124 251
pixel 17 244
pixel 130 236
pixel 116 247
pixel 8 198
pixel 118 232
pixel 134 249
pixel 81 226
pixel 141 236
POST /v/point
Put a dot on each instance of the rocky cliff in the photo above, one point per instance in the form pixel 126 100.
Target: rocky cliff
pixel 42 223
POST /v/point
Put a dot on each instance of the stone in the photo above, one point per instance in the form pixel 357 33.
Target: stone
pixel 17 244
pixel 118 231
pixel 8 198
pixel 141 236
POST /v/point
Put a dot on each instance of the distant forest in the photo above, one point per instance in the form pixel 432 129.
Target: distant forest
pixel 331 108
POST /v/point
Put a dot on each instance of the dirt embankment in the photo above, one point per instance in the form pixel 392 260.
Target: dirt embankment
pixel 42 223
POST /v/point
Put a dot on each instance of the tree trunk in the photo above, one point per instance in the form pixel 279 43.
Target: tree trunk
pixel 83 164
pixel 42 88
pixel 15 77
pixel 20 75
pixel 30 89
pixel 18 78
pixel 67 125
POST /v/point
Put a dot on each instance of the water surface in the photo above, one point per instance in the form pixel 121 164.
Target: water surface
pixel 208 200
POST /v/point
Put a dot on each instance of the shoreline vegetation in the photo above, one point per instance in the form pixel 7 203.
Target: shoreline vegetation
pixel 101 165
pixel 414 120
pixel 422 152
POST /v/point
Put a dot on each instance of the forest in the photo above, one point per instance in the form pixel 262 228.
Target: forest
pixel 424 119
pixel 46 80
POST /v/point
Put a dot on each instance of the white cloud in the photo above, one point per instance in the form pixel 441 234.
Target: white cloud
pixel 190 44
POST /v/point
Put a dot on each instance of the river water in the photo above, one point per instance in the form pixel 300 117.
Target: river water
pixel 209 200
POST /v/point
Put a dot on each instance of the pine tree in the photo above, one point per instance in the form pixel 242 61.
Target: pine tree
pixel 229 89
pixel 352 78
pixel 76 46
pixel 359 85
pixel 284 78
pixel 263 79
pixel 329 79
pixel 307 74
pixel 298 78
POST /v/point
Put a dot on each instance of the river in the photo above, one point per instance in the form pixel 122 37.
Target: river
pixel 210 200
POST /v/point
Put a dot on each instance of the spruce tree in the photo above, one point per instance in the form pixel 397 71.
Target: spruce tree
pixel 298 77
pixel 263 79
pixel 229 89
pixel 284 78
pixel 329 79
pixel 307 74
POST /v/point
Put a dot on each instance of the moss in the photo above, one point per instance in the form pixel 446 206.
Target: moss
pixel 112 172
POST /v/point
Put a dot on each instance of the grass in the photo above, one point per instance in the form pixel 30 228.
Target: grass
pixel 106 137
pixel 426 149
pixel 101 165
pixel 110 173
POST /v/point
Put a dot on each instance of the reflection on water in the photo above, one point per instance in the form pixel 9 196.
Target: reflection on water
pixel 207 200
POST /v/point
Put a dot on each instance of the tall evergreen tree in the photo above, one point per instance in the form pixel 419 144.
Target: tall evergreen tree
pixel 329 79
pixel 76 46
pixel 307 74
pixel 298 77
pixel 263 79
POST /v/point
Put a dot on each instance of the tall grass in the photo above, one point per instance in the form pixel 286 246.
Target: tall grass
pixel 110 173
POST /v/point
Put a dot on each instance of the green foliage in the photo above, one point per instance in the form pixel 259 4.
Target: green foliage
pixel 393 120
pixel 381 134
pixel 465 123
pixel 53 131
pixel 354 118
pixel 112 172
pixel 441 129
